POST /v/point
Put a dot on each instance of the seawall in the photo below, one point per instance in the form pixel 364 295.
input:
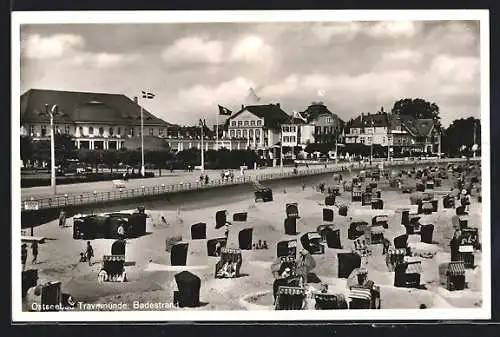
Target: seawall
pixel 185 199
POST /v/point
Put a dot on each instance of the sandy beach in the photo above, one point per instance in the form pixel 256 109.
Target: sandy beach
pixel 151 279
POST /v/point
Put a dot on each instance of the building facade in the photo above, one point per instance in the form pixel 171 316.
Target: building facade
pixel 368 129
pixel 258 125
pixel 93 120
pixel 327 125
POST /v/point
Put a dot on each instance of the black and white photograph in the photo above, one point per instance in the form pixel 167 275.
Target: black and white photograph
pixel 250 165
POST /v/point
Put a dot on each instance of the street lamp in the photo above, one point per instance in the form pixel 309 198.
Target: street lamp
pixel 202 125
pixel 53 111
pixel 371 143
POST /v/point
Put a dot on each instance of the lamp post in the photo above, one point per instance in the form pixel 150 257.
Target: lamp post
pixel 51 113
pixel 474 146
pixel 202 125
pixel 371 143
pixel 281 147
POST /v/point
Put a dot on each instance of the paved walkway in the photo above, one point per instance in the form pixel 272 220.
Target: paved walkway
pixel 167 178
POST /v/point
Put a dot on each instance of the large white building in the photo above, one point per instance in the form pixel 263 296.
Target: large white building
pixel 258 125
pixel 94 120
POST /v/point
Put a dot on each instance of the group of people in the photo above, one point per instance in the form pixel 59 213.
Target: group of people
pixel 260 245
pixel 24 253
pixel 88 254
pixel 204 178
pixel 227 175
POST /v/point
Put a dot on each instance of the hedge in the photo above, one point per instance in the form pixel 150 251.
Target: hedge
pixel 34 182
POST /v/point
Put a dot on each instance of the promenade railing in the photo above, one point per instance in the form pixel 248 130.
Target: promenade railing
pixel 114 194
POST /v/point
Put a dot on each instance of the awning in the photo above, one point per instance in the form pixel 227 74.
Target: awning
pixel 377 230
pixel 294 291
pixel 414 268
pixel 466 249
pixel 361 293
pixel 456 268
pixel 314 235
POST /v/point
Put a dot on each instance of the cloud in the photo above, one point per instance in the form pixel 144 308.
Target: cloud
pixel 35 46
pixel 403 55
pixel 194 49
pixel 103 60
pixel 251 49
pixel 199 98
pixel 455 69
pixel 393 29
pixel 344 31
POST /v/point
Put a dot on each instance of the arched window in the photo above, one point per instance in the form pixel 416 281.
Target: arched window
pixel 111 131
pixel 91 130
pixel 101 131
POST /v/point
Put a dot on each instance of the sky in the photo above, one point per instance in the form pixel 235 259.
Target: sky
pixel 352 66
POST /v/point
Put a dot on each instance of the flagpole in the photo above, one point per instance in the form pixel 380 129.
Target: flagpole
pixel 202 149
pixel 142 142
pixel 217 134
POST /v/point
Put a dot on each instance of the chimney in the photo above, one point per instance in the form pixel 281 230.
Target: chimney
pixel 242 106
pixel 136 100
pixel 278 105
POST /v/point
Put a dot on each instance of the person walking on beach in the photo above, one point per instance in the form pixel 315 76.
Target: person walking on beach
pixel 89 253
pixel 62 219
pixel 34 251
pixel 24 255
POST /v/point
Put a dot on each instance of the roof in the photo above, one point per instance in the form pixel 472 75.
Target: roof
pixel 418 127
pixel 271 113
pixel 84 107
pixel 380 119
pixel 317 109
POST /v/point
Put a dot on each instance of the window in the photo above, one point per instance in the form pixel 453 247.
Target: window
pixel 44 130
pixel 246 123
pixel 110 131
pixel 252 123
pixel 231 133
pixel 66 129
pixel 240 123
pixel 292 139
pixel 328 119
pixel 91 130
pixel 294 129
pixel 80 130
pixel 233 123
pixel 370 139
pixel 31 130
pixel 259 122
pixel 317 130
pixel 362 131
pixel 257 133
pixel 119 131
pixel 131 132
pixel 362 140
pixel 151 131
pixel 238 133
pixel 160 132
pixel 250 133
pixel 245 135
pixel 101 131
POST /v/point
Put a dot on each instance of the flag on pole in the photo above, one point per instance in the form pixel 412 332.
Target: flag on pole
pixel 203 123
pixel 224 111
pixel 148 95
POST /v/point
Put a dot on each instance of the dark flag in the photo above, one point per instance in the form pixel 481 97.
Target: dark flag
pixel 203 123
pixel 224 111
pixel 148 95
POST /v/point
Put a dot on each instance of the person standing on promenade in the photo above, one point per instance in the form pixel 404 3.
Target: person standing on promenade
pixel 24 255
pixel 206 179
pixel 89 253
pixel 62 219
pixel 34 251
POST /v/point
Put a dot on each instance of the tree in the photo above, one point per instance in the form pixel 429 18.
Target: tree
pixel 110 158
pixel 27 148
pixel 417 108
pixel 461 133
pixel 158 158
